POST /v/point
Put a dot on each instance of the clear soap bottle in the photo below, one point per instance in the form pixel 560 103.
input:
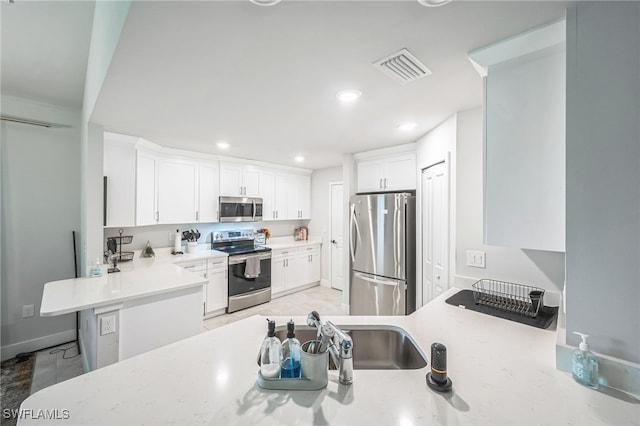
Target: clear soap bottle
pixel 584 365
pixel 291 352
pixel 271 353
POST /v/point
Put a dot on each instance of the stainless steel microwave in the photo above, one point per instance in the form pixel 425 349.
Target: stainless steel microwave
pixel 240 209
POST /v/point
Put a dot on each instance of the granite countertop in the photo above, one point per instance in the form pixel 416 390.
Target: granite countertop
pixel 503 373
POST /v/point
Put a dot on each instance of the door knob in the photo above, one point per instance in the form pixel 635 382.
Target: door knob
pixel 334 242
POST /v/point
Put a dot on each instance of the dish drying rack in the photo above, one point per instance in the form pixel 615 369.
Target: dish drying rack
pixel 117 242
pixel 517 298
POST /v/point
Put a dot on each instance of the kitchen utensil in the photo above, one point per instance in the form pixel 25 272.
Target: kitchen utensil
pixel 186 235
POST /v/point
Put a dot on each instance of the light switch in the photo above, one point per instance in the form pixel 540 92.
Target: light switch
pixel 475 258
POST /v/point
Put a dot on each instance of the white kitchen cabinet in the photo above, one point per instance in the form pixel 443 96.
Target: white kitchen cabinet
pixel 280 196
pixel 267 187
pixel 146 188
pixel 299 197
pixel 239 180
pixel 390 173
pixel 217 287
pixel 284 270
pixel 214 296
pixel 524 139
pixel 295 267
pixel 309 265
pixel 176 190
pixel 208 189
pixel 120 170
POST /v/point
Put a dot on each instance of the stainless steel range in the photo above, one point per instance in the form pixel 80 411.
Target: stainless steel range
pixel 249 268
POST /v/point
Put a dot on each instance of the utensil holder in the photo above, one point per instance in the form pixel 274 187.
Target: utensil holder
pixel 192 247
pixel 315 373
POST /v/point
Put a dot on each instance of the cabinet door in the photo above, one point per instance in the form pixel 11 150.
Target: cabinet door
pixel 120 170
pixel 400 172
pixel 146 188
pixel 267 184
pixel 299 197
pixel 176 191
pixel 251 181
pixel 370 177
pixel 208 199
pixel 278 266
pixel 230 179
pixel 217 290
pixel 309 266
pixel 291 271
pixel 280 196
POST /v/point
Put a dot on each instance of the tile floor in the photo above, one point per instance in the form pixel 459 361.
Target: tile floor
pixel 54 365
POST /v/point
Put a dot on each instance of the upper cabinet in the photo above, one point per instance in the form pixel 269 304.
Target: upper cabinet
pixel 388 173
pixel 238 180
pixel 120 183
pixel 149 185
pixel 146 188
pixel 524 139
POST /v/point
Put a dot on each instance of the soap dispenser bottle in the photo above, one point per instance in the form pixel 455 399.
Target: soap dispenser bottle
pixel 290 368
pixel 584 365
pixel 271 353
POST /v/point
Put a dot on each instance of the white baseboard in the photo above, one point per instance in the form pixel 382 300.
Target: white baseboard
pixel 10 351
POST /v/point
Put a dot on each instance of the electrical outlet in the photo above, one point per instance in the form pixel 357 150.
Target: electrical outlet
pixel 107 325
pixel 27 311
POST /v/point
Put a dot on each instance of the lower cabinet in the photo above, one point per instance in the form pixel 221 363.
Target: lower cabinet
pixel 217 289
pixel 214 295
pixel 294 267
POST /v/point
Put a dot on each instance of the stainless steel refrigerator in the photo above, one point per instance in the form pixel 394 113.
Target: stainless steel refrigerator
pixel 382 242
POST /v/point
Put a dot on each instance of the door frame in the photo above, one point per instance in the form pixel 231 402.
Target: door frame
pixel 330 257
pixel 449 235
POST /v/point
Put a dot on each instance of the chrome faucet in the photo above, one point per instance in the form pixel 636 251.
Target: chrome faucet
pixel 342 355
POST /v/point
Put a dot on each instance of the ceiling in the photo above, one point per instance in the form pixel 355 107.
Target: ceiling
pixel 188 74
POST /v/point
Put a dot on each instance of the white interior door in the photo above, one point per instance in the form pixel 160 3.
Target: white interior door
pixel 337 238
pixel 435 230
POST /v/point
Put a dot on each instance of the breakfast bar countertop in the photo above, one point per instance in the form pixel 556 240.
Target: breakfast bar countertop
pixel 503 373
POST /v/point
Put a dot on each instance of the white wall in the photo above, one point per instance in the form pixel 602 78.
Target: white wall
pixel 40 209
pixel 532 267
pixel 158 235
pixel 108 21
pixel 603 176
pixel 320 224
pixel 436 146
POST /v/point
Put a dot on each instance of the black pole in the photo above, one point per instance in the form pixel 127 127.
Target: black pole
pixel 75 271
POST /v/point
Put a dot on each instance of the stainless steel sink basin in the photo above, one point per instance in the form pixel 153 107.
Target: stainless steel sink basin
pixel 374 347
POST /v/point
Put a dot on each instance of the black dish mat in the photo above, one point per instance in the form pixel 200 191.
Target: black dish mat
pixel 543 320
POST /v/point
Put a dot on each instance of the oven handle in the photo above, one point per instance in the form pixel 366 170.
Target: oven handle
pixel 234 260
pixel 254 209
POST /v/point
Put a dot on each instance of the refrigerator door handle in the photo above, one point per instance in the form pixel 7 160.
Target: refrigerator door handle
pixel 351 229
pixel 377 280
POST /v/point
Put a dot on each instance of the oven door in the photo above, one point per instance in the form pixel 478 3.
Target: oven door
pixel 240 209
pixel 238 282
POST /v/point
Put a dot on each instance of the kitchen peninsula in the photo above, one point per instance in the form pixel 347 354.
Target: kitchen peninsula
pixel 145 306
pixel 503 373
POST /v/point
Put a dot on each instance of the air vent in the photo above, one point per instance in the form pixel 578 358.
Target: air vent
pixel 402 66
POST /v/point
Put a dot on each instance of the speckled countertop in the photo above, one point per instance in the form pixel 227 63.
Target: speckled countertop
pixel 503 373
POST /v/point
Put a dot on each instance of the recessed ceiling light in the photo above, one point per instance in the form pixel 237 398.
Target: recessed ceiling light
pixel 222 145
pixel 433 3
pixel 348 95
pixel 299 158
pixel 405 127
pixel 265 2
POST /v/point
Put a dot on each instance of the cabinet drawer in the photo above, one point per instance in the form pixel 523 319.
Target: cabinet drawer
pixel 194 266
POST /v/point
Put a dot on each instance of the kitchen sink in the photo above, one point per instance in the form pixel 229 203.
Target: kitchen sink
pixel 374 347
